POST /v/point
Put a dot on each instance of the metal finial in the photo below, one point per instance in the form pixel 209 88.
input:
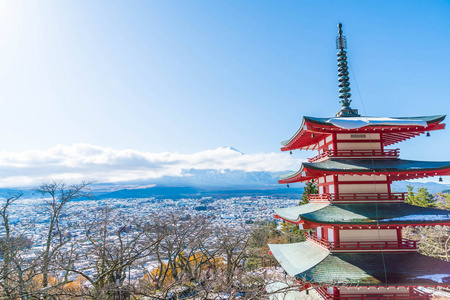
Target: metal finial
pixel 341 41
pixel 344 84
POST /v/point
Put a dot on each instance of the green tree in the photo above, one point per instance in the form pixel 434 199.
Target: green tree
pixel 445 200
pixel 310 188
pixel 421 198
pixel 292 232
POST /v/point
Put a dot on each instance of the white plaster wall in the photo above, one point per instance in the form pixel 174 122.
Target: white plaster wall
pixel 362 178
pixel 358 235
pixel 373 290
pixel 363 188
pixel 330 235
pixel 358 136
pixel 358 146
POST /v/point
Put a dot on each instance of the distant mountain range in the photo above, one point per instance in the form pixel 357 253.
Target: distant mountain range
pixel 199 183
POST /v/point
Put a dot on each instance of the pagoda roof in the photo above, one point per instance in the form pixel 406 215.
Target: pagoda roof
pixel 298 257
pixel 398 169
pixel 364 214
pixel 293 213
pixel 358 122
pixel 360 269
pixel 395 129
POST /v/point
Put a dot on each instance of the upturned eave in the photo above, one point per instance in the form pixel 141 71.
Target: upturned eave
pixel 395 169
pixel 364 214
pixel 313 264
pixel 312 130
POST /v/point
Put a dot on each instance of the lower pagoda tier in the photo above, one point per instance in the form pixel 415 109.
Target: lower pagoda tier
pixel 315 265
pixel 363 214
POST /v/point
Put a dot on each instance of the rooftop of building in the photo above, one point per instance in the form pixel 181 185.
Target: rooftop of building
pixel 363 121
pixel 314 264
pixel 394 129
pixel 398 169
pixel 364 213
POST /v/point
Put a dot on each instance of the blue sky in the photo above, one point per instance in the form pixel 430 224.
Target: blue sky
pixel 188 76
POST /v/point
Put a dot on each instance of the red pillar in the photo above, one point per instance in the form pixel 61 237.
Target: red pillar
pixel 336 293
pixel 399 235
pixel 336 235
pixel 325 233
pixel 336 185
pixel 388 185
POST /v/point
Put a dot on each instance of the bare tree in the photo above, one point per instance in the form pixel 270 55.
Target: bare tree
pixel 18 268
pixel 113 249
pixel 58 196
pixel 7 247
pixel 177 255
pixel 434 241
pixel 201 260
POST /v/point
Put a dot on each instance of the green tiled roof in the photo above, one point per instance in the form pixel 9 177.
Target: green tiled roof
pixel 376 121
pixel 291 174
pixel 379 165
pixel 428 119
pixel 311 263
pixel 298 257
pixel 365 213
pixel 369 269
pixel 369 165
pixel 293 213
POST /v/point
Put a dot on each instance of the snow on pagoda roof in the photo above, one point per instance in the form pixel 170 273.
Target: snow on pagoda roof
pixel 400 169
pixel 365 269
pixel 365 214
pixel 405 128
pixel 298 257
pixel 293 213
pixel 359 122
pixel 312 263
pixel 389 165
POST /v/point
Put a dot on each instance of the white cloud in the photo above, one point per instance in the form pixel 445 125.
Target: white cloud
pixel 88 162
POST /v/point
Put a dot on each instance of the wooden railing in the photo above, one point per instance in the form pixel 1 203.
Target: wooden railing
pixel 388 153
pixel 404 244
pixel 349 197
pixel 416 295
pixel 318 240
pixel 376 245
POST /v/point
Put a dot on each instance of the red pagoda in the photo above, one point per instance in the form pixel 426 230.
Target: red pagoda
pixel 357 250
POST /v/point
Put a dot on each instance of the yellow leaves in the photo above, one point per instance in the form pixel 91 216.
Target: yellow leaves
pixel 165 272
pixel 277 240
pixel 75 285
pixel 38 280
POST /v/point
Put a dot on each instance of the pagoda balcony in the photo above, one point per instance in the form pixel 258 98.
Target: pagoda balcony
pixel 414 295
pixel 388 153
pixel 403 245
pixel 356 197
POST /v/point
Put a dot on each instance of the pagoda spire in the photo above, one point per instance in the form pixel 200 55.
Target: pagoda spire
pixel 344 84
